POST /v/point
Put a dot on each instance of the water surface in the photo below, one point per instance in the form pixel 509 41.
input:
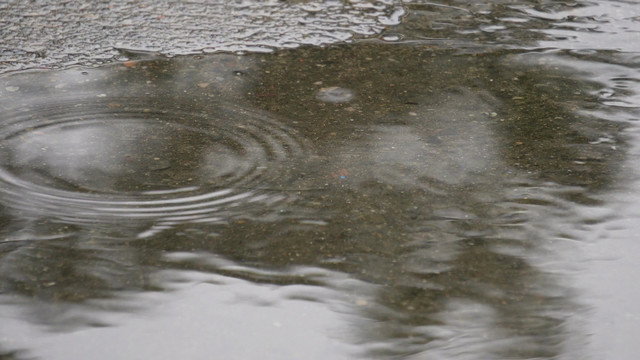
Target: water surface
pixel 457 186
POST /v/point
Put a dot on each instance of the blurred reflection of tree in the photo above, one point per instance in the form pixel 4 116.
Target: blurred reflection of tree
pixel 436 247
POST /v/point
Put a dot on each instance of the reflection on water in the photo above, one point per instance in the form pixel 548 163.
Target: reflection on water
pixel 386 199
pixel 96 157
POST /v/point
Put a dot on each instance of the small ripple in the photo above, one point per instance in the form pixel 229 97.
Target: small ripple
pixel 82 161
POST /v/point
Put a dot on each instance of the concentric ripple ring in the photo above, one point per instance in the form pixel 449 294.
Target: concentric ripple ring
pixel 111 159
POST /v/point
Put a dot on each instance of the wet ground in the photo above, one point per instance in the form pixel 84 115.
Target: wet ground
pixel 416 180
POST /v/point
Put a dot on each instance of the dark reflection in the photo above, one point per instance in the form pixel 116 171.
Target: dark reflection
pixel 425 190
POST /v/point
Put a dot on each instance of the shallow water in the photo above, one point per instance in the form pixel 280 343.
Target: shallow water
pixel 461 185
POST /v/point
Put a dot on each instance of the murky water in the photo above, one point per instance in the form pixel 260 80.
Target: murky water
pixel 455 181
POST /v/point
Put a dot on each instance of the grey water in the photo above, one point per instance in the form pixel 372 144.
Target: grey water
pixel 319 180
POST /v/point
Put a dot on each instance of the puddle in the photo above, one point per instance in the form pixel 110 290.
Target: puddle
pixel 92 157
pixel 457 186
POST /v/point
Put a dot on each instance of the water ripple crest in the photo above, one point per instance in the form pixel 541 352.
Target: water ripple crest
pixel 113 159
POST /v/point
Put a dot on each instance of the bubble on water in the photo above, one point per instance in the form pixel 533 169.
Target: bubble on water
pixel 335 94
pixel 391 37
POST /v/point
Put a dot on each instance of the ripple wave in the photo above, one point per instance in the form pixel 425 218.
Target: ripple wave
pixel 113 159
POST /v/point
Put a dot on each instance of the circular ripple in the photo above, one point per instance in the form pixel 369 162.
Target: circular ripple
pixel 110 159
